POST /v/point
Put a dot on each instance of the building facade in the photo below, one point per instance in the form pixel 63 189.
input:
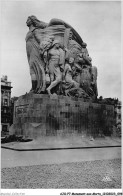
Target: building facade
pixel 118 112
pixel 118 119
pixel 6 109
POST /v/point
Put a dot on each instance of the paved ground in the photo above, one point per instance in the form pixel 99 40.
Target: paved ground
pixel 104 174
pixel 67 142
pixel 12 158
pixel 77 168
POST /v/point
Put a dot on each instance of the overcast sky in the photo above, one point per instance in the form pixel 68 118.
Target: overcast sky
pixel 98 23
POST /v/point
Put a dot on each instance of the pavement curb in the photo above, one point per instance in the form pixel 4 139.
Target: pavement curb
pixel 67 148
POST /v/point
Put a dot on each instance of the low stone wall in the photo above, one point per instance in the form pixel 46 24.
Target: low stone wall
pixel 38 116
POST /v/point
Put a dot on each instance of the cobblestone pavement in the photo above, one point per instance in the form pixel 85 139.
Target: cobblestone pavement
pixel 99 174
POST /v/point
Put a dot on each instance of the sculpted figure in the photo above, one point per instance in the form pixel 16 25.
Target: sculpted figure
pixel 48 46
pixel 33 54
pixel 85 55
pixel 72 87
pixel 55 66
pixel 74 47
pixel 77 72
pixel 34 48
pixel 94 80
pixel 86 79
pixel 84 49
pixel 46 43
pixel 68 74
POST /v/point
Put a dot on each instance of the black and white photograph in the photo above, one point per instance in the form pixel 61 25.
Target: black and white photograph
pixel 61 102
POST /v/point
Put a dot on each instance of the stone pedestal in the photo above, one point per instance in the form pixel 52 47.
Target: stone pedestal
pixel 40 116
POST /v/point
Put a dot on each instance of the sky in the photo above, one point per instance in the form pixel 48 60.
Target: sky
pixel 97 22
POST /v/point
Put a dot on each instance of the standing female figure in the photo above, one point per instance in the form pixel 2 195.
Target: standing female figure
pixel 35 61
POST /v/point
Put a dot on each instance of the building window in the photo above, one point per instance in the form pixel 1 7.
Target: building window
pixel 6 93
pixel 5 110
pixel 4 128
pixel 6 102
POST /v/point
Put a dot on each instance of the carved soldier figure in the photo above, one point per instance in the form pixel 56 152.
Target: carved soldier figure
pixel 85 55
pixel 77 70
pixel 56 60
pixel 69 71
pixel 84 49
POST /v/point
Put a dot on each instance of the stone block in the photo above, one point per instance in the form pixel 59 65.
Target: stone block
pixel 39 116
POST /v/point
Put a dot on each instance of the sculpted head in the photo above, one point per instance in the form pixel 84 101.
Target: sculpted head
pixel 28 22
pixel 32 20
pixel 84 45
pixel 71 60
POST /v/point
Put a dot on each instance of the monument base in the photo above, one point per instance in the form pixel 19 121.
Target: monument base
pixel 38 115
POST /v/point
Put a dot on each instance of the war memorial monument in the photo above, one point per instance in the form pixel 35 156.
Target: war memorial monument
pixel 63 98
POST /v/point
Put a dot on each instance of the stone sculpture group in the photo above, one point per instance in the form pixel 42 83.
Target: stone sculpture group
pixel 59 60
